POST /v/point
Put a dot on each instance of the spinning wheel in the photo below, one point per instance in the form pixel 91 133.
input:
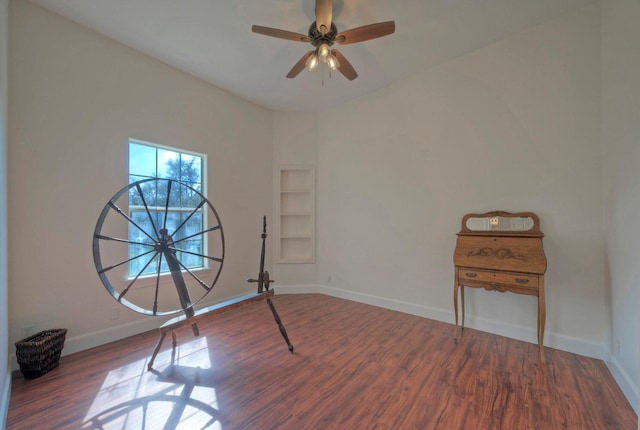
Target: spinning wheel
pixel 167 228
pixel 153 229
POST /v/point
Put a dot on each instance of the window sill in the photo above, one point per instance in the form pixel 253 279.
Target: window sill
pixel 165 278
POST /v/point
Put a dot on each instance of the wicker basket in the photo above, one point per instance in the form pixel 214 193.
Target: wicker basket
pixel 40 353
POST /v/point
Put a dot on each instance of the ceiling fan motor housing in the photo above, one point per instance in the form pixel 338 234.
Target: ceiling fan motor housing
pixel 317 38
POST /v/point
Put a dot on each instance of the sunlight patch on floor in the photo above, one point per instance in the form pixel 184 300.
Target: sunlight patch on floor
pixel 180 396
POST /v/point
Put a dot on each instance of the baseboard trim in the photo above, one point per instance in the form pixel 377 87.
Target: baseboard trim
pixel 626 384
pixel 111 334
pixel 101 337
pixel 6 396
pixel 526 334
pixel 369 299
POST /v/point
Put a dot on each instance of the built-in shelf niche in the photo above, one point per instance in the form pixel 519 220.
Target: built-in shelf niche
pixel 297 208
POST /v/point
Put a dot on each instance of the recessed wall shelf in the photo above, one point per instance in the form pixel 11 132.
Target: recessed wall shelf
pixel 296 241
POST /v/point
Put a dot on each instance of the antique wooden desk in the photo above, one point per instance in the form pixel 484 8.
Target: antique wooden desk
pixel 501 251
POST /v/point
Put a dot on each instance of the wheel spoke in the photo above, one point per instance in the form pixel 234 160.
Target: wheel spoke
pixel 197 234
pixel 121 212
pixel 166 206
pixel 196 209
pixel 219 260
pixel 155 297
pixel 106 269
pixel 193 275
pixel 146 208
pixel 142 246
pixel 126 290
pixel 117 239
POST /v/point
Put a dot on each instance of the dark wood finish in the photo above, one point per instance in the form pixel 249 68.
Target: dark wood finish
pixel 180 321
pixel 345 66
pixel 192 318
pixel 355 367
pixel 503 261
pixel 366 32
pixel 280 34
pixel 323 31
pixel 299 66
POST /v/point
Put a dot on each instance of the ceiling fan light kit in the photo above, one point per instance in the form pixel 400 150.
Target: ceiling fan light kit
pixel 322 35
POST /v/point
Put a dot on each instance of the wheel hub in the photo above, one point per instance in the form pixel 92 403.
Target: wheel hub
pixel 317 38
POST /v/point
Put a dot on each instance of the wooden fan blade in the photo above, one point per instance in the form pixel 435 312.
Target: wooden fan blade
pixel 299 66
pixel 366 32
pixel 345 67
pixel 324 15
pixel 280 34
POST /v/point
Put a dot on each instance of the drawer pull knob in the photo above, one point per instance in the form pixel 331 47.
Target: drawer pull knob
pixel 522 280
pixel 471 274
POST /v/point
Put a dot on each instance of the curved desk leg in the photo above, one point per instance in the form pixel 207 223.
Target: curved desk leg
pixel 455 310
pixel 542 315
pixel 458 328
pixel 462 304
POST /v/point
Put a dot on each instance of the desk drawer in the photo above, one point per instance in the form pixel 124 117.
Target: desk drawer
pixel 473 277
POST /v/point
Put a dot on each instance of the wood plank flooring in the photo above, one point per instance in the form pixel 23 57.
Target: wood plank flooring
pixel 354 367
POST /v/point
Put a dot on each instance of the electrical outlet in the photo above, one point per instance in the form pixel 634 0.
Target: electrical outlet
pixel 28 330
pixel 114 313
pixel 619 348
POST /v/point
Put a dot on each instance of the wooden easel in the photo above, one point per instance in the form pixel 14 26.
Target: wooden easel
pixel 192 318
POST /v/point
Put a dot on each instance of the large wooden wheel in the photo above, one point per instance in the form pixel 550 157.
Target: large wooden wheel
pixel 158 246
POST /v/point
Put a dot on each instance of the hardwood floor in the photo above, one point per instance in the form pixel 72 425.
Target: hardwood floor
pixel 354 367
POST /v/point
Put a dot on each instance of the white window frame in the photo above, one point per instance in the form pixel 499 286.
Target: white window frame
pixel 149 279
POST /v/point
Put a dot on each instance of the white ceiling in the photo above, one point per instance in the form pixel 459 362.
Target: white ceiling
pixel 212 39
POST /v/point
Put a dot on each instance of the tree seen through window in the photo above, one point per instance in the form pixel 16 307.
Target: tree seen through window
pixel 148 161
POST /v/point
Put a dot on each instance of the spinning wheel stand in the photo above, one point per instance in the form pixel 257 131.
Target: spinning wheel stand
pixel 263 293
pixel 164 229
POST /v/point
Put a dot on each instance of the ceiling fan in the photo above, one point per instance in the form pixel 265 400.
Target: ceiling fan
pixel 322 35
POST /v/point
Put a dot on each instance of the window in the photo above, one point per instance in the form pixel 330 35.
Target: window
pixel 153 161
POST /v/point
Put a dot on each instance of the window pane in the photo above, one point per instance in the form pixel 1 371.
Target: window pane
pixel 193 244
pixel 168 164
pixel 190 169
pixel 142 160
pixel 177 204
pixel 141 242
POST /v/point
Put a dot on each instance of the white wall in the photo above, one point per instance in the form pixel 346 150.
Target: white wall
pixel 5 377
pixel 76 98
pixel 621 138
pixel 514 126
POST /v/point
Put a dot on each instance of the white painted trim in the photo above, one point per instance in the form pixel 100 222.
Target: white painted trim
pixel 6 396
pixel 526 334
pixel 101 337
pixel 628 386
pixel 111 334
pixel 529 334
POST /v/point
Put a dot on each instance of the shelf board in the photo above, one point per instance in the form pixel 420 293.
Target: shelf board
pixel 299 213
pixel 296 260
pixel 295 236
pixel 295 190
